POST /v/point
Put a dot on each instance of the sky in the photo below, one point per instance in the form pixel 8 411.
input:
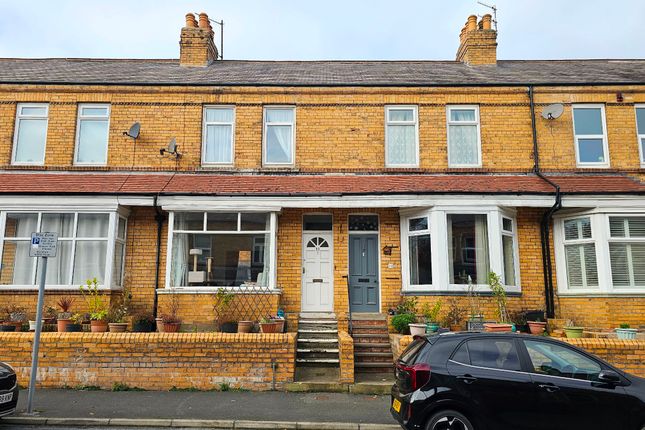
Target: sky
pixel 323 29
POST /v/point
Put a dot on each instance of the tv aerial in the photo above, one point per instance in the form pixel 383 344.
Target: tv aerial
pixel 553 111
pixel 171 148
pixel 134 131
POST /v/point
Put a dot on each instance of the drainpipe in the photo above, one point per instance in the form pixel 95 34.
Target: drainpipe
pixel 545 224
pixel 160 218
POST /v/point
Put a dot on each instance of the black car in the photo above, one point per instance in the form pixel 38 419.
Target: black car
pixel 8 390
pixel 491 381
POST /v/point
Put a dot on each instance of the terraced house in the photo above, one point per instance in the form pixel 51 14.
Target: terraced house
pixel 332 188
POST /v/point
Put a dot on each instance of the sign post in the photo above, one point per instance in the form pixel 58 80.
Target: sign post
pixel 43 245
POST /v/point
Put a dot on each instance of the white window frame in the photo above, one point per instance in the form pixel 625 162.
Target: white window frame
pixel 109 255
pixel 437 216
pixel 601 235
pixel 516 251
pixel 581 241
pixel 405 248
pixel 119 283
pixel 16 132
pixel 415 122
pixel 603 136
pixel 205 125
pixel 80 118
pixel 265 126
pixel 450 123
pixel 272 231
pixel 623 240
pixel 640 135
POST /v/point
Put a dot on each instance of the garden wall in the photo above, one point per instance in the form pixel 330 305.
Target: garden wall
pixel 627 355
pixel 154 361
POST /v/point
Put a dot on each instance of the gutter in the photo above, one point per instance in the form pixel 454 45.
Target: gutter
pixel 545 224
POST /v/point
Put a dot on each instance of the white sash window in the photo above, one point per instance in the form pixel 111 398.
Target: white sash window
pixel 401 136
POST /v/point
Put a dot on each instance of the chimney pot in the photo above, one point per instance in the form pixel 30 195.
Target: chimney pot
pixel 486 22
pixel 203 20
pixel 472 23
pixel 191 22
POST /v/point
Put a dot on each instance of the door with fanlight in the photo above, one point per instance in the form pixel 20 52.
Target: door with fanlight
pixel 317 263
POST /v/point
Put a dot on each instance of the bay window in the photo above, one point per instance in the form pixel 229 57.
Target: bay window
pixel 443 249
pixel 221 249
pixel 600 252
pixel 84 241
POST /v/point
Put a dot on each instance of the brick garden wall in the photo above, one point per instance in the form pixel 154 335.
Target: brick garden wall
pixel 346 356
pixel 154 361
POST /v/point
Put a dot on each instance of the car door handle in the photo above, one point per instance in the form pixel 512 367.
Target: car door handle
pixel 467 379
pixel 549 387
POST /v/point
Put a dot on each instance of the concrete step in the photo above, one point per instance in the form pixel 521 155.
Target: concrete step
pixel 318 340
pixel 374 354
pixel 370 337
pixel 317 350
pixel 332 322
pixel 372 345
pixel 370 329
pixel 316 330
pixel 374 365
pixel 317 360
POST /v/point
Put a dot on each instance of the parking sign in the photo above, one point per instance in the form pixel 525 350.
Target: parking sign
pixel 43 244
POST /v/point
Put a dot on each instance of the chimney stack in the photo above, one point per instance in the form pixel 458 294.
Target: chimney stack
pixel 197 46
pixel 478 42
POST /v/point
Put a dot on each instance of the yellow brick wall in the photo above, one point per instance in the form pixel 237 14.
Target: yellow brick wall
pixel 154 361
pixel 338 129
pixel 346 357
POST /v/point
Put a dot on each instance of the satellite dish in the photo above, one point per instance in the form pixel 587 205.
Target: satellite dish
pixel 134 131
pixel 171 148
pixel 552 111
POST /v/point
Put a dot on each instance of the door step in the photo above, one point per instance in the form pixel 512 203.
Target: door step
pixel 317 341
pixel 372 348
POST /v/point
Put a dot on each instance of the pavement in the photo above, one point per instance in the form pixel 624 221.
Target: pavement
pixel 187 409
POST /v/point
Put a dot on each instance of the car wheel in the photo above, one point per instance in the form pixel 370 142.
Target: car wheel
pixel 449 420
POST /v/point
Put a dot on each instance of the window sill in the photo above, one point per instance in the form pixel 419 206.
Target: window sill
pixel 628 293
pixel 214 290
pixel 68 288
pixel 457 293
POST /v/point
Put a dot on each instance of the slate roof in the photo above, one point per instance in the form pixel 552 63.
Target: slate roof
pixel 321 73
pixel 306 185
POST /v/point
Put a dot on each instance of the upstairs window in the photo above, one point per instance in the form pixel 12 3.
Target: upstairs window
pixel 30 134
pixel 401 136
pixel 92 134
pixel 580 253
pixel 218 132
pixel 464 143
pixel 640 129
pixel 590 136
pixel 627 251
pixel 279 135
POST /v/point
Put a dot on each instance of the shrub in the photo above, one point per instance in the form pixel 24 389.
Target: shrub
pixel 400 322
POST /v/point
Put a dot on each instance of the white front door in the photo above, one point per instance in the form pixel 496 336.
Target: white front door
pixel 317 283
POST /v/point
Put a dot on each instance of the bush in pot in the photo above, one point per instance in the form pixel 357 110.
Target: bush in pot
pixel 15 315
pixel 268 325
pixel 499 293
pixel 573 330
pixel 65 315
pixel 171 322
pixel 143 323
pixel 75 324
pixel 455 315
pixel 96 304
pixel 431 316
pixel 221 306
pixel 118 312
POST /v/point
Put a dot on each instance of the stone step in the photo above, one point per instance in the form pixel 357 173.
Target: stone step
pixel 316 330
pixel 312 321
pixel 317 360
pixel 318 340
pixel 317 350
pixel 374 354
pixel 308 326
pixel 369 329
pixel 374 365
pixel 372 345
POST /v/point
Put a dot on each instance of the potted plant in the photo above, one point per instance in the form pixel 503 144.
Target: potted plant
pixel 499 294
pixel 171 322
pixel 276 319
pixel 118 313
pixel 64 316
pixel 75 324
pixel 143 323
pixel 268 325
pixel 455 315
pixel 476 317
pixel 96 304
pixel 572 330
pixel 626 333
pixel 16 316
pixel 223 301
pixel 431 316
pixel 245 326
pixel 49 315
pixel 405 318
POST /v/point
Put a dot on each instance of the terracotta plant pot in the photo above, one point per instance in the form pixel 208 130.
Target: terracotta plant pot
pixel 17 324
pixel 118 327
pixel 495 328
pixel 626 333
pixel 159 322
pixel 280 323
pixel 456 327
pixel 244 326
pixel 61 324
pixel 573 332
pixel 417 329
pixel 537 327
pixel 73 328
pixel 171 327
pixel 98 326
pixel 269 327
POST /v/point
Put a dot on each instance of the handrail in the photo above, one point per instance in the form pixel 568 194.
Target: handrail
pixel 349 306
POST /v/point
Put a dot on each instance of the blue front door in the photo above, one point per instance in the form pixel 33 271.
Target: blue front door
pixel 363 272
